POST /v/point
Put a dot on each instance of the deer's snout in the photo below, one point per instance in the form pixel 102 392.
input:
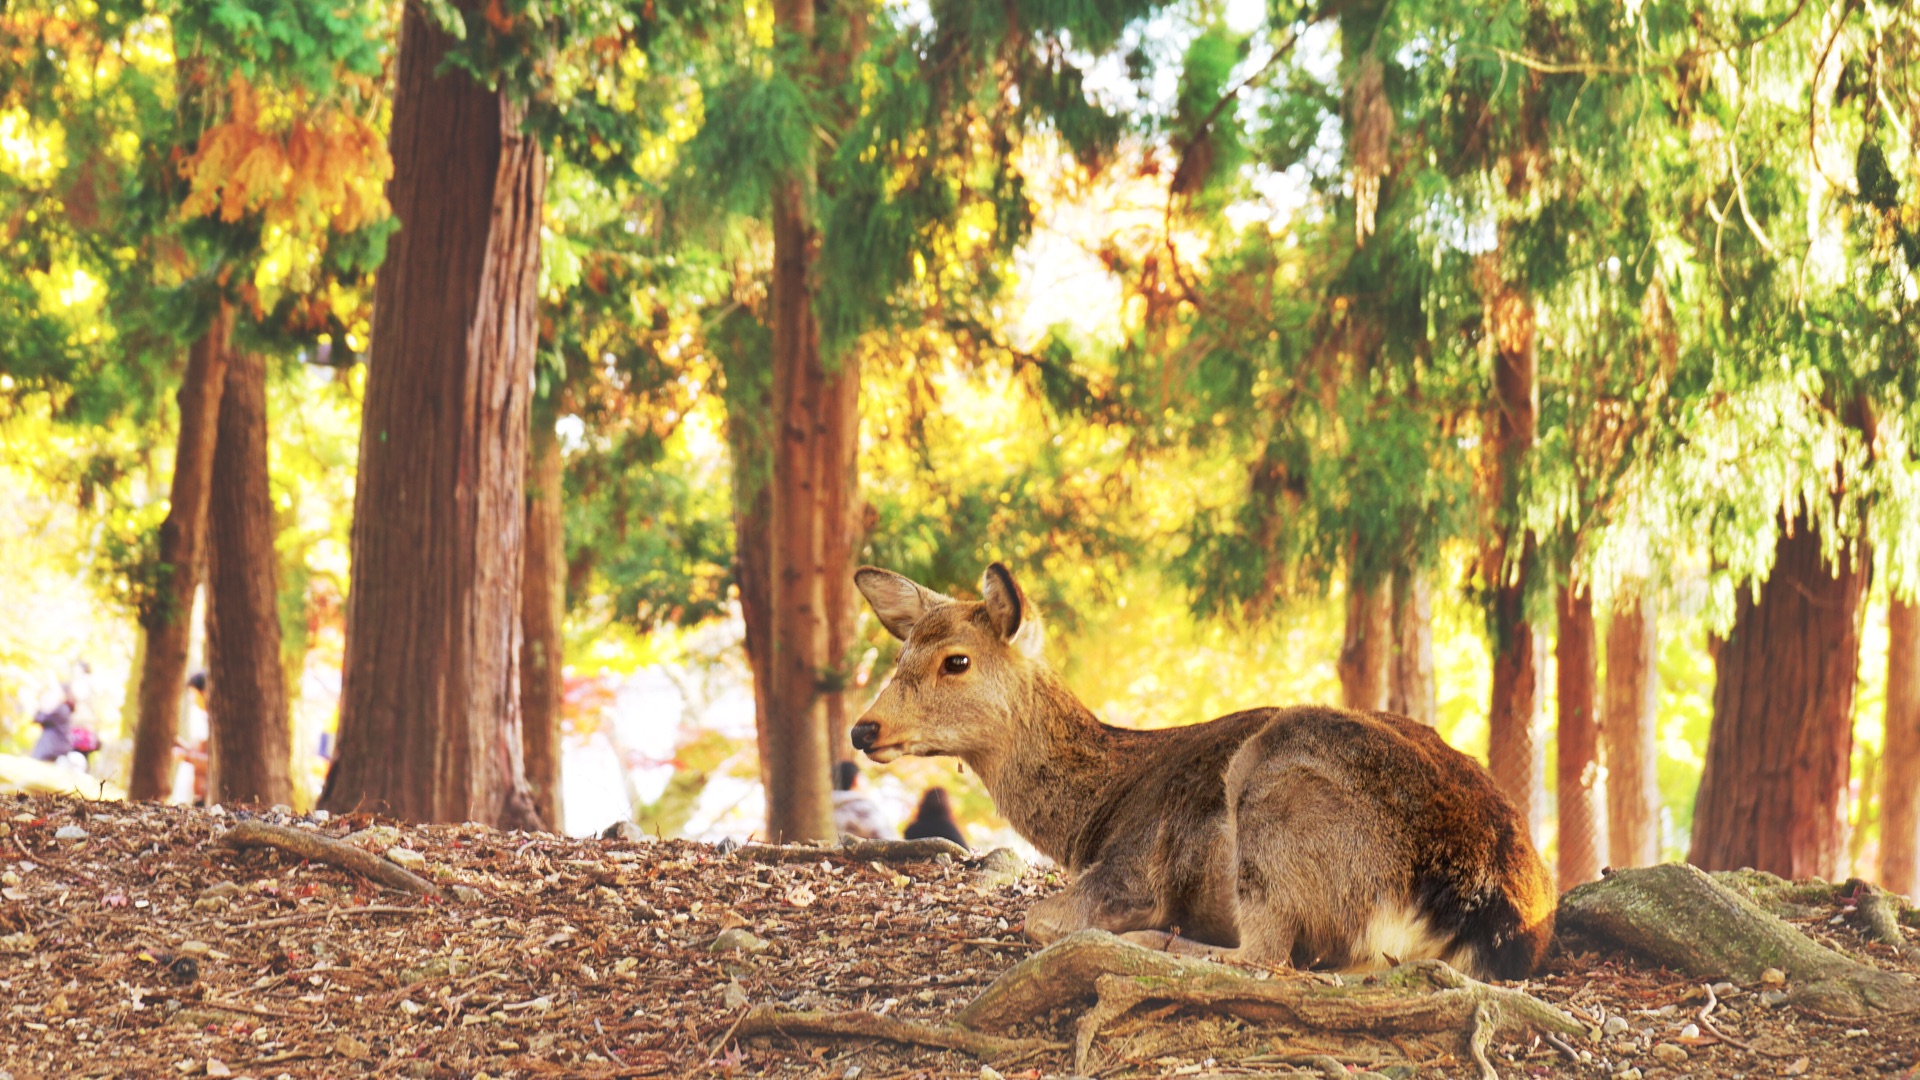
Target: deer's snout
pixel 864 734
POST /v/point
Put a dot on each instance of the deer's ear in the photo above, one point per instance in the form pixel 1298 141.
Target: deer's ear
pixel 1006 604
pixel 897 601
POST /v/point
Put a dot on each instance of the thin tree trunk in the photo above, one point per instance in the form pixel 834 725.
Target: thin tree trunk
pixel 168 615
pixel 799 800
pixel 844 514
pixel 1773 795
pixel 246 689
pixel 1366 651
pixel 543 607
pixel 750 432
pixel 1632 733
pixel 1411 690
pixel 429 717
pixel 1583 844
pixel 1900 757
pixel 1514 744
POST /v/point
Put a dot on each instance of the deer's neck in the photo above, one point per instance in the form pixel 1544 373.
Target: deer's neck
pixel 1059 767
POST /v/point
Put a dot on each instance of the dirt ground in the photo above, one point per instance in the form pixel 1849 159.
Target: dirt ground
pixel 146 948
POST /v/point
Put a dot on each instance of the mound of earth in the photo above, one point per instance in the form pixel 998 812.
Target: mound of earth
pixel 136 941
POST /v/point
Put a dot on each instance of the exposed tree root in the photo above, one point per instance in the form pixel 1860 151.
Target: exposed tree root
pixel 1675 915
pixel 1113 978
pixel 310 845
pixel 892 851
pixel 855 1024
pixel 1876 912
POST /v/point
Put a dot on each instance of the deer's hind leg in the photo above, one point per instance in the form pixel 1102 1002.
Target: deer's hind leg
pixel 1311 866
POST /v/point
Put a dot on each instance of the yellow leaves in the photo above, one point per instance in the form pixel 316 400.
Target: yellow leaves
pixel 303 172
pixel 30 152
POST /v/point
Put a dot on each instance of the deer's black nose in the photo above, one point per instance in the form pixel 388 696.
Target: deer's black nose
pixel 864 733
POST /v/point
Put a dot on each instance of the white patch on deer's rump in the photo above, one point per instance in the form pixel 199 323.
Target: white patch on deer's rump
pixel 1396 934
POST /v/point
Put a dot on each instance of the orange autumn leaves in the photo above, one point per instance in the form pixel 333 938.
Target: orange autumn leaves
pixel 303 172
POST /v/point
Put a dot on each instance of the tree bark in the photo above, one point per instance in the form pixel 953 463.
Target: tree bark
pixel 543 607
pixel 429 717
pixel 246 690
pixel 1631 731
pixel 1411 691
pixel 1583 844
pixel 1513 743
pixel 799 800
pixel 168 615
pixel 1366 652
pixel 1773 794
pixel 1900 757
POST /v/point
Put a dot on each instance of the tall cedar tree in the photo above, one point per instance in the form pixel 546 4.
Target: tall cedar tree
pixel 429 717
pixel 246 689
pixel 1773 794
pixel 168 618
pixel 1366 650
pixel 543 606
pixel 1900 756
pixel 1412 690
pixel 1513 740
pixel 1631 731
pixel 1583 846
pixel 812 405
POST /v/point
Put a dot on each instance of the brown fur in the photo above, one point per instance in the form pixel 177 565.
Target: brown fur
pixel 1315 836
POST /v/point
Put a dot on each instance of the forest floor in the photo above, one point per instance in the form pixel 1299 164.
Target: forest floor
pixel 147 948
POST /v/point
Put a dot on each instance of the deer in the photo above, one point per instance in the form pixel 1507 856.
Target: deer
pixel 1311 836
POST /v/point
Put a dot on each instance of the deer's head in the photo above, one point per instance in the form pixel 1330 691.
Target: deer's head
pixel 964 666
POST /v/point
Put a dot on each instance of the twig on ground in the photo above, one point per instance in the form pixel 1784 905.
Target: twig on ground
pixel 1706 1025
pixel 766 1020
pixel 1478 1038
pixel 310 845
pixel 56 862
pixel 304 916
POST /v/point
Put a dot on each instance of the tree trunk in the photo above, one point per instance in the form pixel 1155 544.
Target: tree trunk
pixel 844 514
pixel 1773 795
pixel 168 615
pixel 1411 690
pixel 1631 730
pixel 799 800
pixel 1583 844
pixel 246 689
pixel 1900 757
pixel 1513 742
pixel 1366 652
pixel 429 717
pixel 543 608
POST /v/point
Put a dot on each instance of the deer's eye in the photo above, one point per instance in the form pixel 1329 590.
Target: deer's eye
pixel 955 664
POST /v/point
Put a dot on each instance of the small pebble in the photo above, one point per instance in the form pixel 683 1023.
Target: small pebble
pixel 1669 1054
pixel 1773 977
pixel 70 832
pixel 1773 998
pixel 320 815
pixel 406 857
pixel 1627 1074
pixel 280 808
pixel 1615 1025
pixel 1691 1031
pixel 1722 989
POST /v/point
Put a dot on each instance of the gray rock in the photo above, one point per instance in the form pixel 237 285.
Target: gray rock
pixel 1773 999
pixel 1669 1054
pixel 739 939
pixel 997 868
pixel 628 831
pixel 1615 1025
pixel 69 832
pixel 406 857
pixel 467 894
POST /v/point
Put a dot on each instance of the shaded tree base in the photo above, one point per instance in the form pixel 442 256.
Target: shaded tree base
pixel 1719 926
pixel 1107 979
